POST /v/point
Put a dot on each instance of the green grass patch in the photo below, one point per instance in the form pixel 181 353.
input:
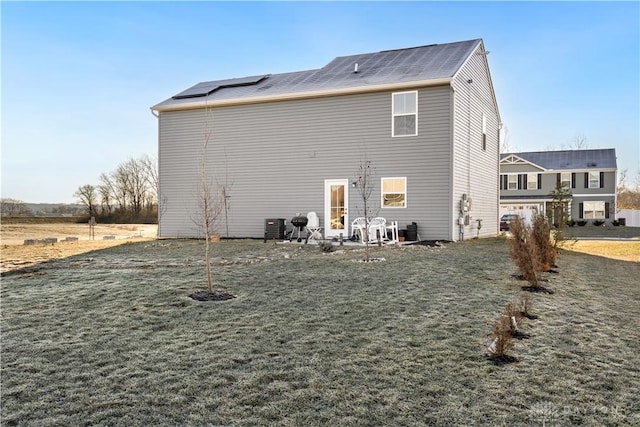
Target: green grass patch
pixel 112 338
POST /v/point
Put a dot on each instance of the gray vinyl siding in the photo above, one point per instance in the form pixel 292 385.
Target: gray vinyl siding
pixel 519 168
pixel 549 182
pixel 277 155
pixel 475 171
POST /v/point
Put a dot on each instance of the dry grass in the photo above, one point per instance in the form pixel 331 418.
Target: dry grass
pixel 621 250
pixel 111 338
pixel 14 254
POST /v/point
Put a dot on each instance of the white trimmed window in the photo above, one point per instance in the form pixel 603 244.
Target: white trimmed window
pixel 405 114
pixel 565 179
pixel 594 179
pixel 512 182
pixel 394 192
pixel 532 181
pixel 594 210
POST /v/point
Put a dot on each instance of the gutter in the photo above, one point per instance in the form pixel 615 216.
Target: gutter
pixel 301 95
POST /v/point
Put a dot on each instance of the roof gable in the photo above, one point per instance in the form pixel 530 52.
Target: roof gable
pixel 513 159
pixel 418 64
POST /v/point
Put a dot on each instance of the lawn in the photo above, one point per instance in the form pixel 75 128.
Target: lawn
pixel 111 338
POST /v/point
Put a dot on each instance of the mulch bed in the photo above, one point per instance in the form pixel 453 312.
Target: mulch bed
pixel 538 289
pixel 505 359
pixel 520 335
pixel 432 243
pixel 211 296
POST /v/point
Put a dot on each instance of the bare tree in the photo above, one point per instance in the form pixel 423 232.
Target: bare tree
pixel 628 197
pixel 225 189
pixel 87 195
pixel 365 186
pixel 108 194
pixel 12 207
pixel 578 142
pixel 505 140
pixel 209 204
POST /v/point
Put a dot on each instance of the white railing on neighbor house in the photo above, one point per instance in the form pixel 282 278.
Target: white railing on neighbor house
pixel 632 217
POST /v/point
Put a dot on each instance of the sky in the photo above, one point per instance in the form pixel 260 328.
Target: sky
pixel 79 78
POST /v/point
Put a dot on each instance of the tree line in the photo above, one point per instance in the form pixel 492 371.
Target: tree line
pixel 127 194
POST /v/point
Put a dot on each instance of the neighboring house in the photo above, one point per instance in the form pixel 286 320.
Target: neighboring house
pixel 425 117
pixel 527 179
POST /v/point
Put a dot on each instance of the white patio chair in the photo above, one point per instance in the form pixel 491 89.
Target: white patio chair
pixel 357 228
pixel 313 227
pixel 377 230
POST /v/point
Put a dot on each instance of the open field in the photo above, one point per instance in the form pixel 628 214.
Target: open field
pixel 111 337
pixel 14 254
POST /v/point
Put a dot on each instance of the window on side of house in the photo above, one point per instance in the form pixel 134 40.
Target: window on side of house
pixel 484 132
pixel 394 192
pixel 593 210
pixel 405 114
pixel 565 179
pixel 594 179
pixel 512 182
pixel 532 181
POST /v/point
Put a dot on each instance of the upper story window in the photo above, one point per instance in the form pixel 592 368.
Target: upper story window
pixel 565 179
pixel 532 181
pixel 512 182
pixel 394 192
pixel 594 179
pixel 405 114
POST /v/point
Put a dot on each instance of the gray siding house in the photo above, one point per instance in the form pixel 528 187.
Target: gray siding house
pixel 527 179
pixel 425 117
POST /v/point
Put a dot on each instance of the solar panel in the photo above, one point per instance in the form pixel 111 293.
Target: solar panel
pixel 207 88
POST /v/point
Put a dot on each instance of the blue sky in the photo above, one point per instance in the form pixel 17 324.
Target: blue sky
pixel 78 78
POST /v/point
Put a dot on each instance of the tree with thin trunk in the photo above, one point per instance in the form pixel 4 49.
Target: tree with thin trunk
pixel 559 214
pixel 209 204
pixel 365 185
pixel 87 195
pixel 225 192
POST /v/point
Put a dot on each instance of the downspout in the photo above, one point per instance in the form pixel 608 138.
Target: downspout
pixel 500 126
pixel 157 116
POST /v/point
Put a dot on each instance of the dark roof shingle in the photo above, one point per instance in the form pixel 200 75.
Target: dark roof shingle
pixel 391 66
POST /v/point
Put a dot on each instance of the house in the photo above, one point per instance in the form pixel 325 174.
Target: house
pixel 527 179
pixel 426 118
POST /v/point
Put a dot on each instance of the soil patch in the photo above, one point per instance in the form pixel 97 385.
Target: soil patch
pixel 431 243
pixel 211 296
pixel 538 289
pixel 505 359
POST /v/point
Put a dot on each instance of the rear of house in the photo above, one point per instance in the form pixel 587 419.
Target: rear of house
pixel 425 118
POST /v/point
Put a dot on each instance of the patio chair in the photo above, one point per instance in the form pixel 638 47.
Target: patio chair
pixel 377 230
pixel 313 227
pixel 357 228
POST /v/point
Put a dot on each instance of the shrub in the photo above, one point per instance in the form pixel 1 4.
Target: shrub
pixel 526 304
pixel 326 246
pixel 615 223
pixel 541 238
pixel 514 313
pixel 571 223
pixel 524 253
pixel 598 222
pixel 502 341
pixel 582 222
